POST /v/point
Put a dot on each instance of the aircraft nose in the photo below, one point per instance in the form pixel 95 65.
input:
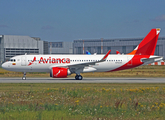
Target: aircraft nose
pixel 4 65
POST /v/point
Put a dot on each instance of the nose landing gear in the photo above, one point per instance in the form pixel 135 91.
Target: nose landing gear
pixel 78 77
pixel 24 76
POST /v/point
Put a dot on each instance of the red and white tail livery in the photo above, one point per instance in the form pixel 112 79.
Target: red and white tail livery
pixel 60 66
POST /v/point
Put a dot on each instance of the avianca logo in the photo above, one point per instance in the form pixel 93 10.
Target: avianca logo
pixel 57 74
pixel 34 59
pixel 50 60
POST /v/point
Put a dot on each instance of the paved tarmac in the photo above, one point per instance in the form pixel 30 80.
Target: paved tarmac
pixel 85 80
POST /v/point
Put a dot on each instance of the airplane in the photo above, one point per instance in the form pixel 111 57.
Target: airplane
pixel 60 66
pixel 117 52
pixel 88 53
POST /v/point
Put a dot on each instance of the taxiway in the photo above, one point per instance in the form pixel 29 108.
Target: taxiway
pixel 85 80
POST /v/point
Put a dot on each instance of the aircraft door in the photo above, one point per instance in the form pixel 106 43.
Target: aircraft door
pixel 23 61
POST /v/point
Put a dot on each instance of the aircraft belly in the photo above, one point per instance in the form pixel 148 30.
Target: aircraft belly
pixel 103 67
pixel 39 68
pixel 31 68
pixel 89 69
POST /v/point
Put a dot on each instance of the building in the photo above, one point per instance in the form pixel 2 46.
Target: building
pixel 60 47
pixel 101 46
pixel 12 45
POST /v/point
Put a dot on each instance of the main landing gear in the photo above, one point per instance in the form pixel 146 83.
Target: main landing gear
pixel 78 77
pixel 24 76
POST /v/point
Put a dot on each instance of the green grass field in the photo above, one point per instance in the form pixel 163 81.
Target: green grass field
pixel 28 101
pixel 82 101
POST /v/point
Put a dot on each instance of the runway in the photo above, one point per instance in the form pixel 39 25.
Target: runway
pixel 85 80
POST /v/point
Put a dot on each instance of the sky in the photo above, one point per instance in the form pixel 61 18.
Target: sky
pixel 68 20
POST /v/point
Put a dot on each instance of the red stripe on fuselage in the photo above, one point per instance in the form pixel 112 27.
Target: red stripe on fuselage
pixel 134 62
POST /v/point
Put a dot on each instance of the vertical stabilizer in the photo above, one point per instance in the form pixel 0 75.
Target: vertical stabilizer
pixel 148 44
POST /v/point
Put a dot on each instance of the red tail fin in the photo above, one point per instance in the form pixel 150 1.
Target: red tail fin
pixel 117 52
pixel 148 44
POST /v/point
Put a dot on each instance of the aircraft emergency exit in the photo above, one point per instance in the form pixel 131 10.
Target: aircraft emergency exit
pixel 60 66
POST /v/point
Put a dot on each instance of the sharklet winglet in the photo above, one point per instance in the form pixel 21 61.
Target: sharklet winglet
pixel 106 55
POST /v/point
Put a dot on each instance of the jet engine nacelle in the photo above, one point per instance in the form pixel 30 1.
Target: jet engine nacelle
pixel 59 72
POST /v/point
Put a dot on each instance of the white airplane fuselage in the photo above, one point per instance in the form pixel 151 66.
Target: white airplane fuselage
pixel 22 62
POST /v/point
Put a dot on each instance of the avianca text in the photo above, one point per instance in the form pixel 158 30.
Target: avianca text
pixel 54 60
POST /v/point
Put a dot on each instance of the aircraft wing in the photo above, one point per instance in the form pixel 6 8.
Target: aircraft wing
pixel 151 60
pixel 73 67
pixel 80 66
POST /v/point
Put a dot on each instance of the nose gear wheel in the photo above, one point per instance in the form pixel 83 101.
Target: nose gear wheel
pixel 24 76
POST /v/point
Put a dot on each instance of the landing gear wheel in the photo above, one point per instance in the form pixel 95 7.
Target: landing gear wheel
pixel 24 76
pixel 78 77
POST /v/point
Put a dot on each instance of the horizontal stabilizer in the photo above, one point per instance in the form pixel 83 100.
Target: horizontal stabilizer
pixel 151 60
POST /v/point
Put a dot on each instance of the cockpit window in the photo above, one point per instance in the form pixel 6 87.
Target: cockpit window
pixel 12 60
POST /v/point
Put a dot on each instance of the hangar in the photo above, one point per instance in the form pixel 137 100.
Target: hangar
pixel 12 45
pixel 60 47
pixel 101 46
